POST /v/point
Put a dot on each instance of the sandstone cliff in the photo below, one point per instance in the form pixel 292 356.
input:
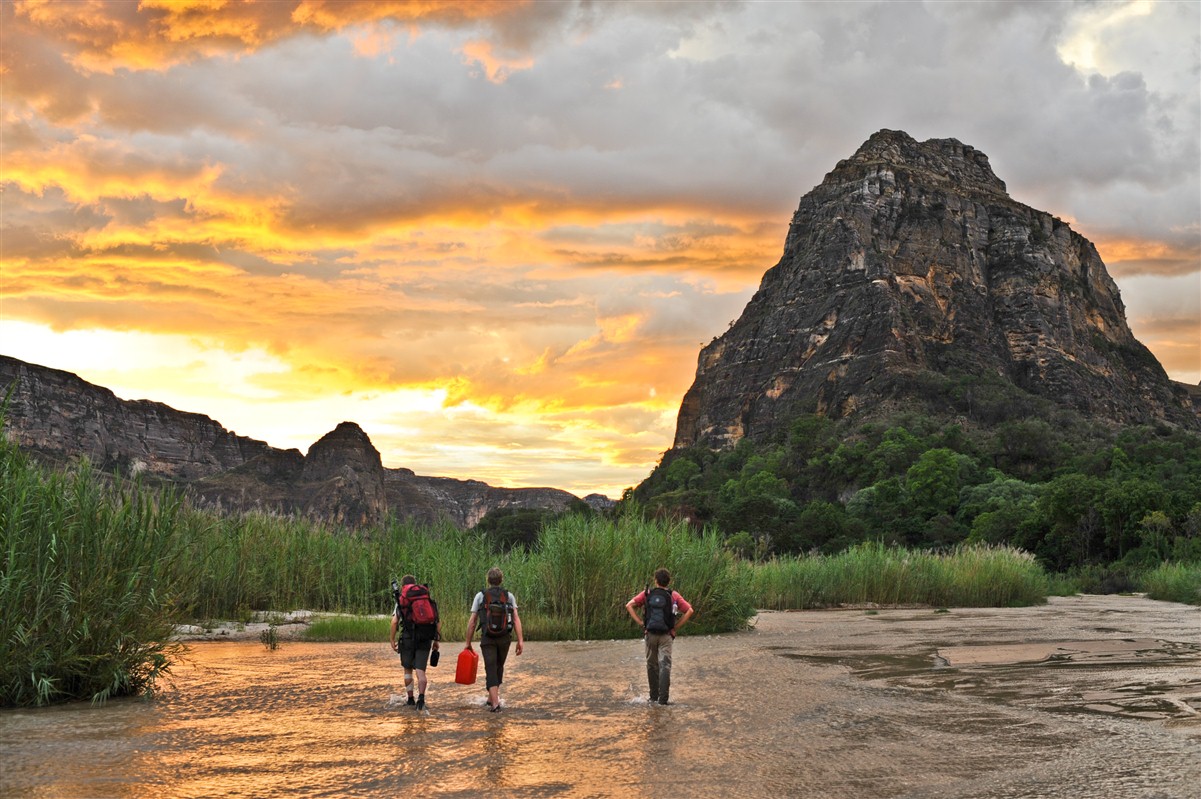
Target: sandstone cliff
pixel 57 416
pixel 909 258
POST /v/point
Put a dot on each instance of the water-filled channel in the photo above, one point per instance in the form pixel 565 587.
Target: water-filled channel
pixel 1085 697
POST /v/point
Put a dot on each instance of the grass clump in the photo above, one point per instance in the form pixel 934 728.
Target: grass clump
pixel 365 629
pixel 872 573
pixel 1174 582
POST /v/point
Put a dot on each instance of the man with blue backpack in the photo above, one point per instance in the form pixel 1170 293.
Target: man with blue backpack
pixel 660 622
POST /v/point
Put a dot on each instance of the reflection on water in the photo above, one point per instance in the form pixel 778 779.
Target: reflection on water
pixel 831 704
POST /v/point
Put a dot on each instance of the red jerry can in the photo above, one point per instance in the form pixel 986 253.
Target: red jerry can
pixel 468 666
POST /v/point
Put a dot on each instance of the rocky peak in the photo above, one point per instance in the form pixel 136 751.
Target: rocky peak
pixel 935 160
pixel 345 448
pixel 345 478
pixel 908 259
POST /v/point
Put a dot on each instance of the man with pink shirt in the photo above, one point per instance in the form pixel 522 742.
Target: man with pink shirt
pixel 660 623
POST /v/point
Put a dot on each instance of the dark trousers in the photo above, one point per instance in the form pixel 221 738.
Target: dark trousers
pixel 494 651
pixel 658 665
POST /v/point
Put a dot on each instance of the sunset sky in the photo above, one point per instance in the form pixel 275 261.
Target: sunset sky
pixel 496 235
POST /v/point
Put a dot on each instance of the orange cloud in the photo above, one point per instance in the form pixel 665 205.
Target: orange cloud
pixel 1126 256
pixel 496 68
pixel 157 34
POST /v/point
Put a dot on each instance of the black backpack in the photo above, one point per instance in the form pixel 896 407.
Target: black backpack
pixel 660 610
pixel 496 612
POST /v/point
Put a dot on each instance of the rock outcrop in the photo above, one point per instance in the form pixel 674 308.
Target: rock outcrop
pixel 911 258
pixel 58 416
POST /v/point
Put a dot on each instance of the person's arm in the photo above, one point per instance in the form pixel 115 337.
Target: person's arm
pixel 680 622
pixel 392 634
pixel 633 603
pixel 471 627
pixel 517 627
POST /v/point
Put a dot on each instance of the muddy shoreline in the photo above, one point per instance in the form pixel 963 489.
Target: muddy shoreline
pixel 289 625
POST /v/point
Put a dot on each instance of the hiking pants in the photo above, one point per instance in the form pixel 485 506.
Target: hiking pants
pixel 658 665
pixel 494 651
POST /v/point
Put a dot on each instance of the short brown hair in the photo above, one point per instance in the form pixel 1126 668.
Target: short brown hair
pixel 495 575
pixel 662 577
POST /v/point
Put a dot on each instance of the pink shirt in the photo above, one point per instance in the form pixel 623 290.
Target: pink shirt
pixel 681 604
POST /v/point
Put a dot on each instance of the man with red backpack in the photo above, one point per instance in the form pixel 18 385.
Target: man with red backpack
pixel 416 615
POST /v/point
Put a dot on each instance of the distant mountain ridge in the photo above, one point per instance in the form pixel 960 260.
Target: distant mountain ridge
pixel 911 259
pixel 58 416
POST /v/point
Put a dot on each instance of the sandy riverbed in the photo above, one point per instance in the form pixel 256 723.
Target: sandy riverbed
pixel 1085 697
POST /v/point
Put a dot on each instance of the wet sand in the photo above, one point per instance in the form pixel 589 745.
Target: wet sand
pixel 1084 697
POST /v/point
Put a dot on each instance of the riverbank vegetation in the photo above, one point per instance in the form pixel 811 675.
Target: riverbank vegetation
pixel 88 589
pixel 986 466
pixel 97 571
pixel 876 574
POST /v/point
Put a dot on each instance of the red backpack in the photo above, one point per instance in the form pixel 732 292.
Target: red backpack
pixel 416 606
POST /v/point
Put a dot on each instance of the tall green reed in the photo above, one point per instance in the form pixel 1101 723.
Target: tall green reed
pixel 588 567
pixel 85 600
pixel 1174 582
pixel 872 573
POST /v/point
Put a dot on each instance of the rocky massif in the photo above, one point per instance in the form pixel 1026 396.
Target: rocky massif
pixel 911 259
pixel 57 416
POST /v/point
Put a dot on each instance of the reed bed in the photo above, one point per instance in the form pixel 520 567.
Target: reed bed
pixel 872 573
pixel 1174 582
pixel 587 568
pixel 85 603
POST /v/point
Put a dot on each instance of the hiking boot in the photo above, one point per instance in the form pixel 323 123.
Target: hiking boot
pixel 421 703
pixel 410 702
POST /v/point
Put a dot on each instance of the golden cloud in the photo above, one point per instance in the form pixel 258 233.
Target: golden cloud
pixel 158 34
pixel 1125 257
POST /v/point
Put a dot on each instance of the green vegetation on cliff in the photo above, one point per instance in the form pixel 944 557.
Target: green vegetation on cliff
pixel 983 466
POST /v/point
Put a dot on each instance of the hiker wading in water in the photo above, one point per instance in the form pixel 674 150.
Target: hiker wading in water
pixel 416 616
pixel 495 610
pixel 659 628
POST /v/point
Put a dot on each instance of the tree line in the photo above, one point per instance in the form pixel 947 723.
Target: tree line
pixel 1073 492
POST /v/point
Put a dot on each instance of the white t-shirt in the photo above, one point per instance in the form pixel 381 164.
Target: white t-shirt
pixel 478 602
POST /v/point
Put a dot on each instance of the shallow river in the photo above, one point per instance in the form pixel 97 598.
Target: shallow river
pixel 1085 697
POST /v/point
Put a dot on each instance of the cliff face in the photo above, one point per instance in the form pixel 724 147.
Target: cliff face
pixel 58 417
pixel 911 257
pixel 56 414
